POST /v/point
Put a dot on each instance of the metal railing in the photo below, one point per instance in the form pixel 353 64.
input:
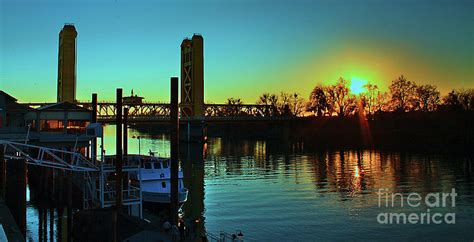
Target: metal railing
pixel 47 157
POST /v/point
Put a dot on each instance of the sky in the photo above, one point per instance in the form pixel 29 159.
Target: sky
pixel 250 46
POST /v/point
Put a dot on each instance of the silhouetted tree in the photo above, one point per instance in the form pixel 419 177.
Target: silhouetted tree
pixel 402 93
pixel 427 98
pixel 344 102
pixel 263 99
pixel 369 97
pixel 298 105
pixel 285 104
pixel 466 98
pixel 268 99
pixel 452 99
pixel 233 107
pixel 460 99
pixel 318 101
pixel 381 102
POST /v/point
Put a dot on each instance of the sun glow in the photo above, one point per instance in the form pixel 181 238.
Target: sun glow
pixel 357 85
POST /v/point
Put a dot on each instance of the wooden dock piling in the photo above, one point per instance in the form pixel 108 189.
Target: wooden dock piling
pixel 174 149
pixel 69 205
pixel 119 151
pixel 94 120
pixel 125 131
pixel 15 196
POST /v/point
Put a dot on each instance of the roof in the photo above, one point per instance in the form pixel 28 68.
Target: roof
pixel 63 106
pixel 14 106
pixel 2 93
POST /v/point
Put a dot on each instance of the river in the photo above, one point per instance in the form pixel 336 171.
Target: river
pixel 279 191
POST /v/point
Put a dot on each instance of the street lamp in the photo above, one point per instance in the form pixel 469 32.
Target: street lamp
pixel 139 148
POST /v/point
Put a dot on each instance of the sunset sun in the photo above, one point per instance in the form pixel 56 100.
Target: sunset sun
pixel 357 85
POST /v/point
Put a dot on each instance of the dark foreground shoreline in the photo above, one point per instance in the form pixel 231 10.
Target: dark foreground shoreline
pixel 414 131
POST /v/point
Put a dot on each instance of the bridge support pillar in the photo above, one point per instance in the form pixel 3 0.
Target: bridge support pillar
pixel 194 131
pixel 15 195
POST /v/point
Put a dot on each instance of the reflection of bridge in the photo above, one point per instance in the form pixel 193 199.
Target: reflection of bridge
pixel 156 111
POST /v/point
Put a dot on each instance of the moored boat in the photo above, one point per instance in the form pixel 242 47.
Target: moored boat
pixel 155 175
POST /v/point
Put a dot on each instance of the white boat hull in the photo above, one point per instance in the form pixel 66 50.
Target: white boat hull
pixel 158 197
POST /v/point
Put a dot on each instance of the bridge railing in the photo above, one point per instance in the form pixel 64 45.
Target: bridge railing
pixel 242 110
pixel 106 110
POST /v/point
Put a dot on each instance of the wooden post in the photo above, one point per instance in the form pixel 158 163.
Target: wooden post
pixel 125 131
pixel 94 108
pixel 59 224
pixel 174 150
pixel 51 223
pixel 15 197
pixel 45 222
pixel 118 150
pixel 94 120
pixel 69 205
pixel 40 224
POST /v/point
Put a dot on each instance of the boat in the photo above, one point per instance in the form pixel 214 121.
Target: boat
pixel 155 175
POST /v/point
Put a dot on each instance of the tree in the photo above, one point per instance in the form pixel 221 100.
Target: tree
pixel 451 99
pixel 466 98
pixel 283 104
pixel 298 105
pixel 370 97
pixel 344 102
pixel 402 92
pixel 426 98
pixel 233 107
pixel 318 101
pixel 264 99
pixel 270 100
pixel 381 102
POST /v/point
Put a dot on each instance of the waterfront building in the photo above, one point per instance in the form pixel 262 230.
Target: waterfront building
pixel 60 125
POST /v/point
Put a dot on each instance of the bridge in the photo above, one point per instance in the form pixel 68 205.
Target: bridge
pixel 158 111
pixel 191 106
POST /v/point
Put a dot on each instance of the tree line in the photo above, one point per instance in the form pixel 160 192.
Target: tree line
pixel 403 95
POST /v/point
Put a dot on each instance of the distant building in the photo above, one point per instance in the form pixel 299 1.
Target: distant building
pixel 133 99
pixel 67 64
pixel 192 76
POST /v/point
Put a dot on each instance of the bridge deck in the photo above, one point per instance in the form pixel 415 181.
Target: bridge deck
pixel 160 112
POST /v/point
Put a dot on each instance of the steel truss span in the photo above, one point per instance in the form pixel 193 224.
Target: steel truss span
pixel 106 111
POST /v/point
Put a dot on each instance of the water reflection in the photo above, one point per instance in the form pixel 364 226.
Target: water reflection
pixel 274 190
pixel 48 214
pixel 192 162
pixel 271 190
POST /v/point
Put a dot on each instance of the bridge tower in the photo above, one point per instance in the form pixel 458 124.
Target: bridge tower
pixel 192 77
pixel 67 64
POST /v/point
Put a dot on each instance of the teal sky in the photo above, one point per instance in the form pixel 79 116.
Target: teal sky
pixel 251 47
